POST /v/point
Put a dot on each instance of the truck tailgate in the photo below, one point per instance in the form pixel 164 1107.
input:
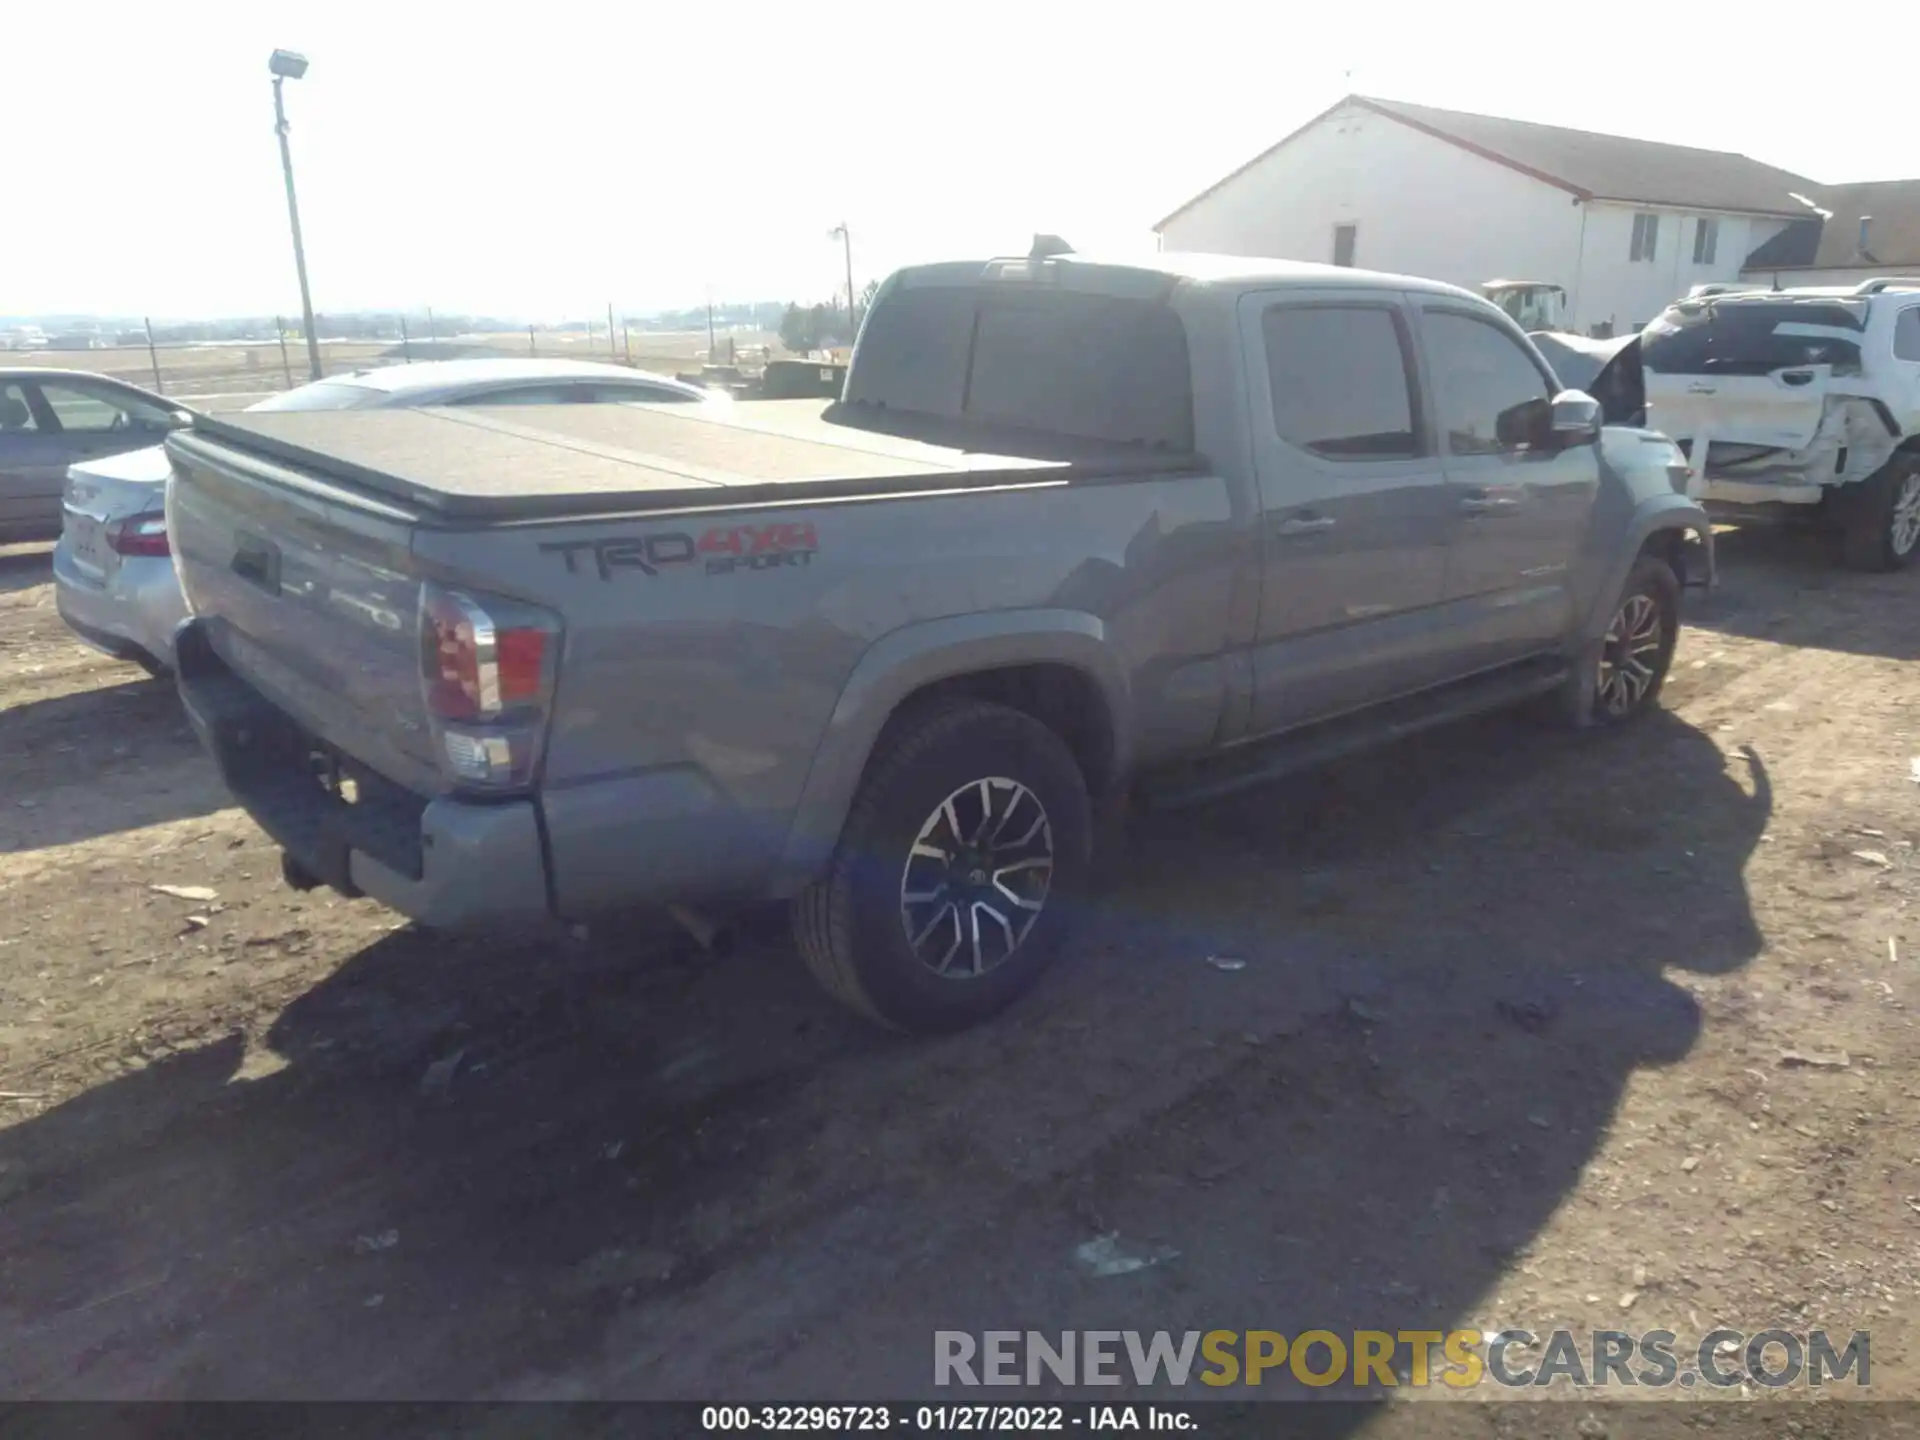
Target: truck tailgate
pixel 311 598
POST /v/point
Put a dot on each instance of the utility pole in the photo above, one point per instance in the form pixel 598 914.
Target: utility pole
pixel 153 357
pixel 845 237
pixel 612 348
pixel 712 345
pixel 286 65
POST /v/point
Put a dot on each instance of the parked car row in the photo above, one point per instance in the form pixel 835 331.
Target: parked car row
pixel 113 567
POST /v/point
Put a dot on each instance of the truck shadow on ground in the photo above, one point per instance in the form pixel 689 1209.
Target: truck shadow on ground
pixel 496 1168
pixel 23 567
pixel 96 762
pixel 1766 572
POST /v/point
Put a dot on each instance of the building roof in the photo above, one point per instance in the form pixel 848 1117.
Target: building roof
pixel 1585 164
pixel 1892 208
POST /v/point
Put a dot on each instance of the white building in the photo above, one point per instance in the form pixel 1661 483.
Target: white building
pixel 1626 226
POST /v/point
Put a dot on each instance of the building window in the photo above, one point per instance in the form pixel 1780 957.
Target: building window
pixel 1706 239
pixel 1345 237
pixel 1646 228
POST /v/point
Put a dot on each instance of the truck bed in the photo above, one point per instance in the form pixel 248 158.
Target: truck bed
pixel 498 463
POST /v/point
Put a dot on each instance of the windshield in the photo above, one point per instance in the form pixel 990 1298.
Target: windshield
pixel 324 395
pixel 1754 337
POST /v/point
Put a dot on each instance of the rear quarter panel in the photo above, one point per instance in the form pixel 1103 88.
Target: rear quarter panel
pixel 706 655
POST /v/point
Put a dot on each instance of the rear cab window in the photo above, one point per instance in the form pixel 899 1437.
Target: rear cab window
pixel 1755 336
pixel 1035 358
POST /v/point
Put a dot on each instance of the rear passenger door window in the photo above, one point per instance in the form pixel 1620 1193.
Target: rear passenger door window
pixel 1487 392
pixel 85 409
pixel 1341 381
pixel 1906 334
pixel 16 412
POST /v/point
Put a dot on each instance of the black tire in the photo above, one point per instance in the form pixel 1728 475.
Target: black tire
pixel 851 926
pixel 1652 589
pixel 1878 529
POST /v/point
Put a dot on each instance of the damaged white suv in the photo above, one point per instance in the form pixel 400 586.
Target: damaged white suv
pixel 1798 404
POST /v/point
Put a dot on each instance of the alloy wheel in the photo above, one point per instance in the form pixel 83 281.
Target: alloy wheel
pixel 1630 654
pixel 1905 530
pixel 977 877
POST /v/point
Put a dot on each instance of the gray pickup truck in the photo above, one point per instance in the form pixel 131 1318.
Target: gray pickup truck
pixel 1076 533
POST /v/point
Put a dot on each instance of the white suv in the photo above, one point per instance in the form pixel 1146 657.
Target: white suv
pixel 1798 403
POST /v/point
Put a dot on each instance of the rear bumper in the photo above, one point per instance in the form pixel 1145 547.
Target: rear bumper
pixel 446 863
pixel 134 612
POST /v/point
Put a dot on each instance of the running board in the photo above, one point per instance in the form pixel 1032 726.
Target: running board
pixel 1261 761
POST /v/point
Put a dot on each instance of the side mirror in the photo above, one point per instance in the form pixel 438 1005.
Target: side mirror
pixel 1576 418
pixel 179 420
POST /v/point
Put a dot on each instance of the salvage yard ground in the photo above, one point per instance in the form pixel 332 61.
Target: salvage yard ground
pixel 1532 1030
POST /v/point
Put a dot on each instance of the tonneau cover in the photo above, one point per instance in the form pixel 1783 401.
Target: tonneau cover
pixel 506 462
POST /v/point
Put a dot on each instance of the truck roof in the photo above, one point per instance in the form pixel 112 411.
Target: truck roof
pixel 1161 274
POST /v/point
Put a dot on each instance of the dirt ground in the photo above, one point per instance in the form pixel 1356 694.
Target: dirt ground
pixel 1533 1030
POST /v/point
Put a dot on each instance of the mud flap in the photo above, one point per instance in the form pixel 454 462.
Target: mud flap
pixel 1577 695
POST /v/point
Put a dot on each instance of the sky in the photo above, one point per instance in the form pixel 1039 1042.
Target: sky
pixel 545 161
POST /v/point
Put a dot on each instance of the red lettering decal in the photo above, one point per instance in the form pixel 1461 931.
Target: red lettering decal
pixel 721 540
pixel 799 537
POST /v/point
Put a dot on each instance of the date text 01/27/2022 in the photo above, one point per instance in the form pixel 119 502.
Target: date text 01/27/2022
pixel 721 549
pixel 942 1419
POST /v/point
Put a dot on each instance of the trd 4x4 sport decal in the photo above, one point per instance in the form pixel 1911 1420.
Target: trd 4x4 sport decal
pixel 721 549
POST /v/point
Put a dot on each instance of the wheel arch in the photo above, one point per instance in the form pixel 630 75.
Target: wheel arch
pixel 1057 665
pixel 1673 528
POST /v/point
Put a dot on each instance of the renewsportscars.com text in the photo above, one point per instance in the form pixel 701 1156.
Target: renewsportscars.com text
pixel 1459 1359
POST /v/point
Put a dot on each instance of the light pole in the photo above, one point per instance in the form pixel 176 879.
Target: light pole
pixel 845 237
pixel 286 65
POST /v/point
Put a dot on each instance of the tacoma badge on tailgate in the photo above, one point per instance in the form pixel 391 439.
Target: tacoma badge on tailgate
pixel 722 549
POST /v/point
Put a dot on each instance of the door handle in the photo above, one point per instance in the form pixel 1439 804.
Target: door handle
pixel 1304 526
pixel 1482 503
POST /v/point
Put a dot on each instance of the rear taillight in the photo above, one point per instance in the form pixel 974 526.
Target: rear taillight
pixel 139 535
pixel 486 667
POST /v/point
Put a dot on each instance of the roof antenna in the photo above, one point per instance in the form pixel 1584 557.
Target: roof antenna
pixel 1045 247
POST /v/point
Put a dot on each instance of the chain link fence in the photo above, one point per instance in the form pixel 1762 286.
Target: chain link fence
pixel 233 372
